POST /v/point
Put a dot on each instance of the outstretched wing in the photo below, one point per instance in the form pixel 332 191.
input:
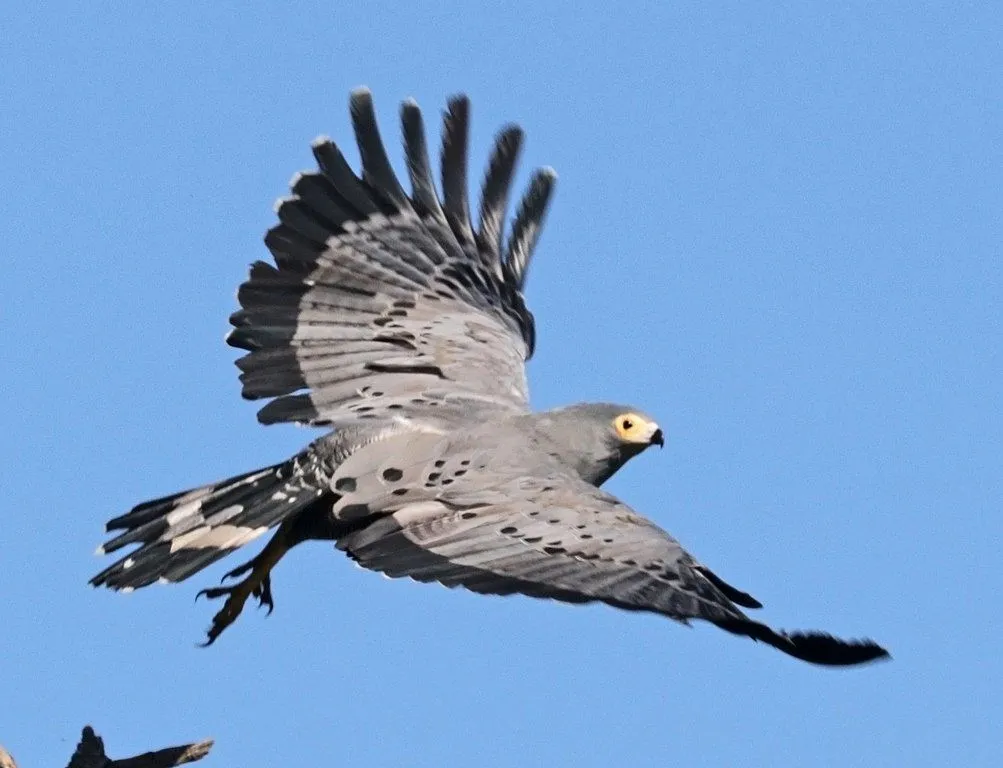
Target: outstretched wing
pixel 381 301
pixel 558 537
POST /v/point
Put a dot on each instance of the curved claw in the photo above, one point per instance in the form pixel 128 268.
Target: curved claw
pixel 263 592
pixel 236 596
pixel 214 632
pixel 256 583
pixel 240 570
pixel 212 593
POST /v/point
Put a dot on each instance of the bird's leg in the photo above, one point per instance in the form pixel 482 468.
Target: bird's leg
pixel 257 583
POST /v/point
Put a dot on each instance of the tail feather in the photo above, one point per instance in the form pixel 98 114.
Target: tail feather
pixel 185 532
pixel 181 512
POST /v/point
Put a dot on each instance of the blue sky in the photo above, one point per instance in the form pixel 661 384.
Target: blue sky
pixel 777 229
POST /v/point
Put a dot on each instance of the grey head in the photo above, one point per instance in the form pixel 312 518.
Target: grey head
pixel 596 439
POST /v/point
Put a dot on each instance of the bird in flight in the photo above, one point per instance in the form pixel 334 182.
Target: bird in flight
pixel 394 321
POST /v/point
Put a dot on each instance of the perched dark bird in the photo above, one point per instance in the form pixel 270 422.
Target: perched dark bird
pixel 391 319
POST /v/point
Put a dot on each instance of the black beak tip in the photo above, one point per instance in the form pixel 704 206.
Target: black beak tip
pixel 658 439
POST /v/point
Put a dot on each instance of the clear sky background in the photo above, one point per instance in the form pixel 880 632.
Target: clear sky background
pixel 777 228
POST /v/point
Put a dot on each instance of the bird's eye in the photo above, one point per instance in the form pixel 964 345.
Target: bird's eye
pixel 627 426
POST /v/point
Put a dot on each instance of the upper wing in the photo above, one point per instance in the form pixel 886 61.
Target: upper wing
pixel 378 298
pixel 561 538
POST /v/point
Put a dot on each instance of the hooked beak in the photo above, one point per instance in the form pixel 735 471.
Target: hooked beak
pixel 657 438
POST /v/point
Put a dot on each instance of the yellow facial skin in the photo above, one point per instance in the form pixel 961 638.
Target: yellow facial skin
pixel 634 428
